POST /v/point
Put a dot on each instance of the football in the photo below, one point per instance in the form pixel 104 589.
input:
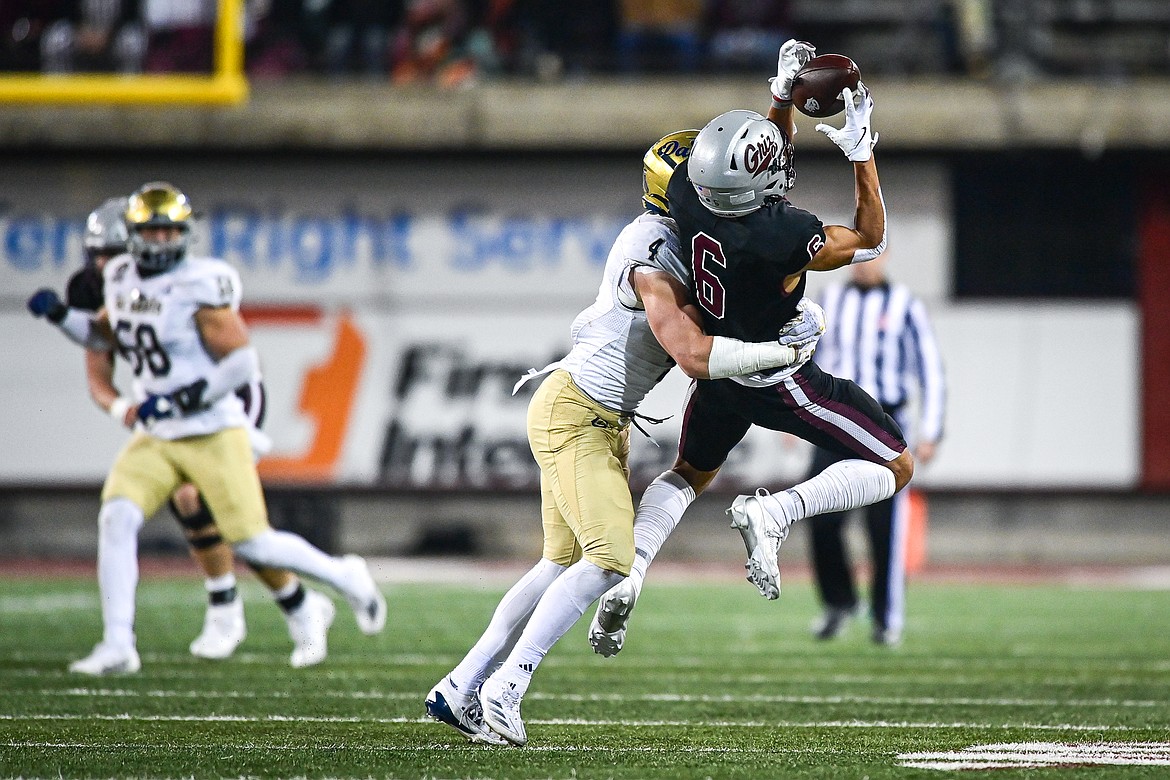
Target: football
pixel 816 89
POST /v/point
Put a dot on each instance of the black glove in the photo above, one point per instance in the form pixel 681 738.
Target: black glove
pixel 189 399
pixel 45 303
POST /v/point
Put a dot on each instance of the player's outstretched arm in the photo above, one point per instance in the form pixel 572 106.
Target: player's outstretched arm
pixel 793 56
pixel 81 327
pixel 867 239
pixel 675 323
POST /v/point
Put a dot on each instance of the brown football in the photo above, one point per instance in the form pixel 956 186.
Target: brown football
pixel 816 89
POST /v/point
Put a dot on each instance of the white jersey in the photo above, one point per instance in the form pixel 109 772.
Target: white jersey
pixel 153 320
pixel 615 359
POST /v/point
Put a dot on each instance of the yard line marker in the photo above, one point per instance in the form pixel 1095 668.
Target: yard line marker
pixel 1039 754
pixel 846 724
pixel 622 698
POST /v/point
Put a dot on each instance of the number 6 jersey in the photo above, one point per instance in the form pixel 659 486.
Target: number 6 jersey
pixel 153 319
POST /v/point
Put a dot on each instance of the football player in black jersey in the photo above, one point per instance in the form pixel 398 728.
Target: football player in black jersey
pixel 750 249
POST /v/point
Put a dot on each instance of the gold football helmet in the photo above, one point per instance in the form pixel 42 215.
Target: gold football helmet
pixel 660 161
pixel 158 205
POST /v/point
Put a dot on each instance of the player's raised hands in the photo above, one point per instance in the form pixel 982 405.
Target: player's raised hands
pixel 794 55
pixel 856 138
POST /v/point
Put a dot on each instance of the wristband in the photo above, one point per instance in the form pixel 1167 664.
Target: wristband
pixel 777 103
pixel 118 408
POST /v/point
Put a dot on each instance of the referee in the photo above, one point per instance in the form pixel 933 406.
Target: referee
pixel 879 336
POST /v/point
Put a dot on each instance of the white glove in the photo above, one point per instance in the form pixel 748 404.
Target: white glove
pixel 803 332
pixel 856 138
pixel 794 55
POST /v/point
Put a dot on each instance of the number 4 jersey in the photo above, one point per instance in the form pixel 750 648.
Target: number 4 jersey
pixel 153 319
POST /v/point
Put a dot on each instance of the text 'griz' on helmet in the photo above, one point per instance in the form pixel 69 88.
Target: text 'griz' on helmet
pixel 105 229
pixel 739 160
pixel 659 163
pixel 158 205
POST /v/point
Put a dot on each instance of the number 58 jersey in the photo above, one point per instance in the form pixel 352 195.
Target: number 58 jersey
pixel 153 319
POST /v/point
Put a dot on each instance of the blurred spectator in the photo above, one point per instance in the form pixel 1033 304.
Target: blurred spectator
pixel 180 35
pixel 359 34
pixel 744 35
pixel 63 36
pixel 429 45
pixel 274 45
pixel 567 37
pixel 658 35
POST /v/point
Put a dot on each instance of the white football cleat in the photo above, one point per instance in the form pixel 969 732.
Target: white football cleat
pixel 368 603
pixel 308 625
pixel 223 631
pixel 762 534
pixel 501 710
pixel 108 659
pixel 461 711
pixel 607 632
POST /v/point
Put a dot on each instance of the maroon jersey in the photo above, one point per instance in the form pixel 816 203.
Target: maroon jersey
pixel 740 263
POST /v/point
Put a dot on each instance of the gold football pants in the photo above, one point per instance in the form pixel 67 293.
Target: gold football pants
pixel 583 451
pixel 148 470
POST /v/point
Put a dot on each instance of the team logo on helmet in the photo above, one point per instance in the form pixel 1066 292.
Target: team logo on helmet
pixel 762 156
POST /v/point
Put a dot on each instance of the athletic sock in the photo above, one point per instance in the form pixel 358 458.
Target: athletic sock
pixel 509 619
pixel 845 485
pixel 221 590
pixel 284 550
pixel 562 605
pixel 659 512
pixel 290 597
pixel 118 524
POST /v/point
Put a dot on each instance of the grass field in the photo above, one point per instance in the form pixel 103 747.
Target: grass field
pixel 714 682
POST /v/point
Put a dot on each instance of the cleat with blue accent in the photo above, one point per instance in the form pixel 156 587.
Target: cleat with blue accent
pixel 462 712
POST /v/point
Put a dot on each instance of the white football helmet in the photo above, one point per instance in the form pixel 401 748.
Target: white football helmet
pixel 739 160
pixel 105 230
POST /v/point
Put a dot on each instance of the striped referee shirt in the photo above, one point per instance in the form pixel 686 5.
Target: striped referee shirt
pixel 881 338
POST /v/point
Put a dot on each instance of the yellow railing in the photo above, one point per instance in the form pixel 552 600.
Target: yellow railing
pixel 225 86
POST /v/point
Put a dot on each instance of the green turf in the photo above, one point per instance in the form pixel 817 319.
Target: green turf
pixel 714 682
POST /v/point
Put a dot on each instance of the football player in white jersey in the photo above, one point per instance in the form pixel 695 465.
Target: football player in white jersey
pixel 641 324
pixel 175 318
pixel 224 627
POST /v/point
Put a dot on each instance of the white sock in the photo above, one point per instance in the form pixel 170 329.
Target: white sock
pixel 562 605
pixel 509 619
pixel 283 550
pixel 659 513
pixel 220 583
pixel 118 524
pixel 845 485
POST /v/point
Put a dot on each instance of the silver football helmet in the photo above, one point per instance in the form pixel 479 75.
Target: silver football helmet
pixel 105 230
pixel 158 205
pixel 739 160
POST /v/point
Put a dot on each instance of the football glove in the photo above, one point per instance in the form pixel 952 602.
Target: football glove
pixel 45 303
pixel 190 398
pixel 155 407
pixel 856 138
pixel 803 332
pixel 794 55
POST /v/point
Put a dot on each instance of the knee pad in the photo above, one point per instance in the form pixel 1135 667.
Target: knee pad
pixel 119 519
pixel 196 522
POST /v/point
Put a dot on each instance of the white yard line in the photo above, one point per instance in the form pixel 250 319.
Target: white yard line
pixel 621 698
pixel 785 724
